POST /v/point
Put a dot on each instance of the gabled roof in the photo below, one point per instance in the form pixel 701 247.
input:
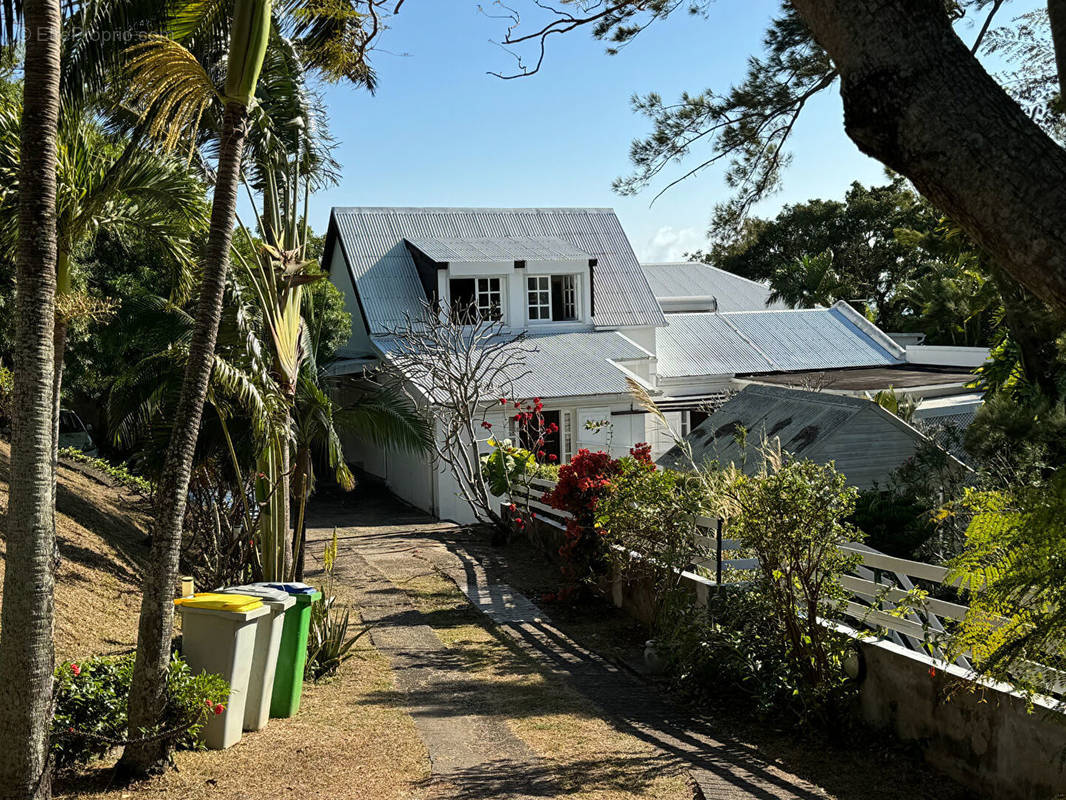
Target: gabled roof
pixel 498 248
pixel 864 440
pixel 387 282
pixel 753 342
pixel 564 364
pixel 694 279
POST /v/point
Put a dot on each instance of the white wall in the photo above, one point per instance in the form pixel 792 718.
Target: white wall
pixel 947 356
pixel 359 343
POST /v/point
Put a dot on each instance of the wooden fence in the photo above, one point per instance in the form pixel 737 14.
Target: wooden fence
pixel 880 585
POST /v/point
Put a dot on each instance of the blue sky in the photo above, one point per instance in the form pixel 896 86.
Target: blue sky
pixel 441 131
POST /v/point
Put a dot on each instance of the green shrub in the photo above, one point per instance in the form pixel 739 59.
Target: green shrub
pixel 90 708
pixel 766 637
pixel 648 522
pixel 122 475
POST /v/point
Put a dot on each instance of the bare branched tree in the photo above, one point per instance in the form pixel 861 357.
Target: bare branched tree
pixel 456 367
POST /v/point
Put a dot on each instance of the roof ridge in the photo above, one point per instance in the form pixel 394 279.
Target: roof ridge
pixel 708 266
pixel 508 209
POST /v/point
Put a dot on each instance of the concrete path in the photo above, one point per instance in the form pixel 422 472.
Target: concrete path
pixel 476 756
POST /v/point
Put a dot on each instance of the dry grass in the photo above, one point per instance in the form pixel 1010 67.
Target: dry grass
pixel 590 759
pixel 339 746
pixel 350 740
pixel 101 534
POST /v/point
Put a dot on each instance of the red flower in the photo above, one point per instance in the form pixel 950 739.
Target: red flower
pixel 503 401
pixel 533 514
pixel 486 425
pixel 70 730
pixel 513 508
pixel 219 708
pixel 75 669
pixel 932 672
pixel 540 454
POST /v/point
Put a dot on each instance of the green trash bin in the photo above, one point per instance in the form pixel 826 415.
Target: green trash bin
pixel 292 653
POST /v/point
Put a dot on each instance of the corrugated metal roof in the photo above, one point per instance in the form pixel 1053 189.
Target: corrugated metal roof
pixel 694 279
pixel 822 427
pixel 499 248
pixel 753 342
pixel 388 285
pixel 564 364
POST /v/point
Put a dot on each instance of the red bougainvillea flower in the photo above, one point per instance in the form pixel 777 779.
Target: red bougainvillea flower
pixel 513 508
pixel 219 708
pixel 75 669
pixel 553 457
pixel 503 401
pixel 540 454
pixel 486 425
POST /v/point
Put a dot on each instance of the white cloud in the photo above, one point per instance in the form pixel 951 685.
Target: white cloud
pixel 670 244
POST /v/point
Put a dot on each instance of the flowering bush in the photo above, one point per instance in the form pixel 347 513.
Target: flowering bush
pixel 90 707
pixel 582 484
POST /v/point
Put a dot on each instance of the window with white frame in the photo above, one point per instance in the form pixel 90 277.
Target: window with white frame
pixel 476 298
pixel 489 298
pixel 539 297
pixel 568 290
pixel 552 297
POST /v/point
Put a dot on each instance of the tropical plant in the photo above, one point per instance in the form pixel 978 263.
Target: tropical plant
pixel 1011 571
pixel 582 484
pixel 329 643
pixel 900 404
pixel 103 184
pixel 175 90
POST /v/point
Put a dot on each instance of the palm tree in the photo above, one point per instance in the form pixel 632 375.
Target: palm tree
pixel 26 646
pixel 124 188
pixel 177 90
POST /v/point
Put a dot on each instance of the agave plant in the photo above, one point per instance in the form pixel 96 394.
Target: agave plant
pixel 328 641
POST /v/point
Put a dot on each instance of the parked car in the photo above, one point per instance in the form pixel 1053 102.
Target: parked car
pixel 75 433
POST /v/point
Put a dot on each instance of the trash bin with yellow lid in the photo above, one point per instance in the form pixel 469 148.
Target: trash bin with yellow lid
pixel 265 655
pixel 218 637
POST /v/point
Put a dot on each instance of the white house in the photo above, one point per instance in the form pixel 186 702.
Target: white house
pixel 568 277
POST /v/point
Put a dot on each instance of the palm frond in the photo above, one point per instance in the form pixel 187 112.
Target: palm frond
pixel 171 87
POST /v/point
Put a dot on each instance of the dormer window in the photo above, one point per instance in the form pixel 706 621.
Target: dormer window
pixel 552 298
pixel 480 296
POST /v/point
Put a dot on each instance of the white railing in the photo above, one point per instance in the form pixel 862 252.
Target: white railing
pixel 880 585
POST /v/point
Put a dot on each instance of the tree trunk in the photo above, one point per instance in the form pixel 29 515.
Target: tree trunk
pixel 148 690
pixel 917 100
pixel 26 646
pixel 301 483
pixel 59 347
pixel 1056 11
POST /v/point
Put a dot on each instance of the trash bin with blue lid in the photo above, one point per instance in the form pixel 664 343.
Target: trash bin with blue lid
pixel 218 637
pixel 265 655
pixel 292 654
